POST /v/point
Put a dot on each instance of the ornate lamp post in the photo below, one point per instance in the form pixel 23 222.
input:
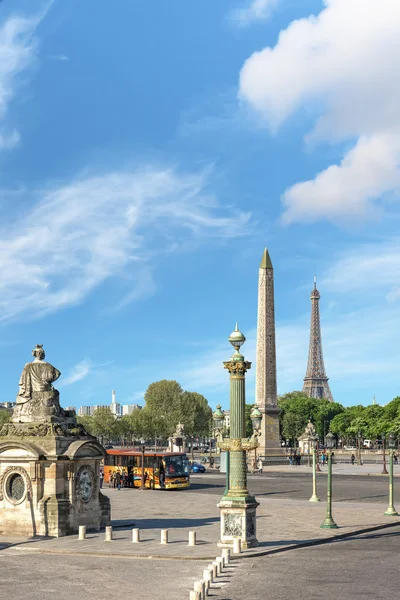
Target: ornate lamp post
pixel 317 452
pixel 359 448
pixel 219 421
pixel 329 523
pixel 391 511
pixel 238 507
pixel 143 449
pixel 314 497
pixel 384 470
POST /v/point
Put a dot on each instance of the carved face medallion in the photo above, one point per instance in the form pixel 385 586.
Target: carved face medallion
pixel 85 483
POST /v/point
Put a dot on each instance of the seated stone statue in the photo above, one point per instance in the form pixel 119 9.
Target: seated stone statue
pixel 37 400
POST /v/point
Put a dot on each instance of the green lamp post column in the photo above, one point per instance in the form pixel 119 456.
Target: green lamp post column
pixel 329 523
pixel 391 511
pixel 238 507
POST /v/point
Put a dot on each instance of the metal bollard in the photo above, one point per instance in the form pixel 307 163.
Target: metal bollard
pixel 237 545
pixel 135 536
pixel 226 555
pixel 195 595
pixel 164 536
pixel 192 538
pixel 220 562
pixel 199 586
pixel 109 534
pixel 208 576
pixel 82 532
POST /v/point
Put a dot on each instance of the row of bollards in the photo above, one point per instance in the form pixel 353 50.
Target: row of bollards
pixel 210 576
pixel 192 541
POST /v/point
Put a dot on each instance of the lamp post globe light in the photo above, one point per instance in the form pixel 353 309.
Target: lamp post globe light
pixel 237 506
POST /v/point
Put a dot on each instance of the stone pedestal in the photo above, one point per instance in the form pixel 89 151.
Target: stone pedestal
pixel 269 439
pixel 238 520
pixel 49 480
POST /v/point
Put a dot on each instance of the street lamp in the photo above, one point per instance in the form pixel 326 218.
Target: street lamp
pixel 317 452
pixel 256 418
pixel 359 437
pixel 143 449
pixel 237 506
pixel 218 421
pixel 391 511
pixel 384 470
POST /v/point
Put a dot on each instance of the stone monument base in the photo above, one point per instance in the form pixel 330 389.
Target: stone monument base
pixel 238 520
pixel 49 483
pixel 270 439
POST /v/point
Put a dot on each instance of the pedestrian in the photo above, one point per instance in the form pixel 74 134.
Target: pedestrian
pixel 291 459
pixel 118 480
pixel 260 465
pixel 353 458
pixel 110 478
pixel 254 467
pixel 396 459
pixel 101 478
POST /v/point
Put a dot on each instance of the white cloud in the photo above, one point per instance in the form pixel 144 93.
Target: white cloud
pixel 342 66
pixel 369 270
pixel 257 10
pixel 76 373
pixel 17 52
pixel 78 235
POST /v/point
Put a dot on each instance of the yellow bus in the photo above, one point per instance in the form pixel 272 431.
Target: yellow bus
pixel 162 470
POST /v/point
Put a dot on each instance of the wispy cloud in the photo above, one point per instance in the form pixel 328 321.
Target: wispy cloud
pixel 257 10
pixel 59 57
pixel 80 234
pixel 18 50
pixel 77 373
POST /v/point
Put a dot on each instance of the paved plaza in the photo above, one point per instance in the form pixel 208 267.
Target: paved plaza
pixel 92 568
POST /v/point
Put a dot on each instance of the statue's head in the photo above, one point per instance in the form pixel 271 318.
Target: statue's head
pixel 38 352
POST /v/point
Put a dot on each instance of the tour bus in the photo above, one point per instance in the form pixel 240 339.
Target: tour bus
pixel 163 470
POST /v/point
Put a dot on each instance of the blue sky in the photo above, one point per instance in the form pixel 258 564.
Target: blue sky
pixel 148 153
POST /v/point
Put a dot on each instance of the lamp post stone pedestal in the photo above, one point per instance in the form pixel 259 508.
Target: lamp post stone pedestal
pixel 238 506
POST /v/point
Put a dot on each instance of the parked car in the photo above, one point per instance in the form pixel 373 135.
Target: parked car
pixel 109 447
pixel 197 468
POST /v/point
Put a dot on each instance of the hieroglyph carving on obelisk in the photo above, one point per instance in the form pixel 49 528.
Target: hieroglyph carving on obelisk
pixel 266 395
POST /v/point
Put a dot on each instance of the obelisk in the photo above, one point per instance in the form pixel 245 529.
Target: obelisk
pixel 266 396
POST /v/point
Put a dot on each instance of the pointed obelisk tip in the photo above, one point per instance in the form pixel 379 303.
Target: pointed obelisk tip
pixel 237 327
pixel 266 260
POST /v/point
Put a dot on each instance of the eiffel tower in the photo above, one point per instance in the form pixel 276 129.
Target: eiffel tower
pixel 316 382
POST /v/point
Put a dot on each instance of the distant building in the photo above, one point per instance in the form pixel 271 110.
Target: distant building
pixel 70 408
pixel 116 409
pixel 127 409
pixel 227 419
pixel 96 407
pixel 85 411
pixel 7 405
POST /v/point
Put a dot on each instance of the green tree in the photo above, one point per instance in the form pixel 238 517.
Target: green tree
pixel 104 423
pixel 5 417
pixel 298 408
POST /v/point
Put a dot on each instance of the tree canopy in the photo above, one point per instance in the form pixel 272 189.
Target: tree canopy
pixel 166 405
pixel 298 408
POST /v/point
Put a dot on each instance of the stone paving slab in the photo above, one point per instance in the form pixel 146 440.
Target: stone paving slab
pixel 280 523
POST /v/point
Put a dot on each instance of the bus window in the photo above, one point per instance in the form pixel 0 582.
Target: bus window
pixel 177 465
